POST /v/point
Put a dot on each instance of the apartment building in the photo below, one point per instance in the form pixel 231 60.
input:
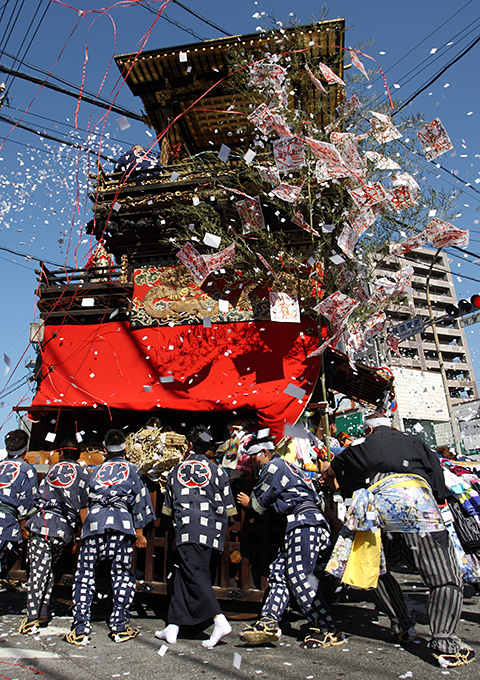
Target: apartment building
pixel 419 351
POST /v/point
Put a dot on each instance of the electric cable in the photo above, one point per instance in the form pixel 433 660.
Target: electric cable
pixel 201 18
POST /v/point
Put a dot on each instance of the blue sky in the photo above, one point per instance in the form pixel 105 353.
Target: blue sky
pixel 43 204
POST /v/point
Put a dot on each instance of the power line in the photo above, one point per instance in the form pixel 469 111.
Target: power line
pixel 199 16
pixel 186 29
pixel 437 76
pixel 5 119
pixel 90 100
pixel 31 257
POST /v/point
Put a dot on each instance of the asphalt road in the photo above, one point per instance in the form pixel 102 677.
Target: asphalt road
pixel 369 654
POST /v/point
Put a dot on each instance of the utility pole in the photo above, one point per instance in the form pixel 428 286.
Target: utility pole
pixel 453 420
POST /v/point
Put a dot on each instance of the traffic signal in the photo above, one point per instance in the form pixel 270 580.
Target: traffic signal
pixel 463 307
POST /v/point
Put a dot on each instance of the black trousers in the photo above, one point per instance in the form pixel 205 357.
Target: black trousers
pixel 433 557
pixel 193 600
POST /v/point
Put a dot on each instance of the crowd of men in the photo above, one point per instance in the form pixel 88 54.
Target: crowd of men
pixel 393 482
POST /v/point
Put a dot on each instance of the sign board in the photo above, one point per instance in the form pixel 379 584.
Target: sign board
pixel 408 328
pixel 470 320
pixel 420 394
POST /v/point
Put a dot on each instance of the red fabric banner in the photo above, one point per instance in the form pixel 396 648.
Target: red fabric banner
pixel 193 368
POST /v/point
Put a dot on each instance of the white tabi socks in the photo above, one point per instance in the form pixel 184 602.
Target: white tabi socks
pixel 220 629
pixel 169 634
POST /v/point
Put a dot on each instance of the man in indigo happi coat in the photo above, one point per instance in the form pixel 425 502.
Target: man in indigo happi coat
pixel 61 495
pixel 199 500
pixel 18 483
pixel 286 489
pixel 119 507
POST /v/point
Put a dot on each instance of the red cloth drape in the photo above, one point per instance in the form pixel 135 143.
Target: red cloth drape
pixel 226 367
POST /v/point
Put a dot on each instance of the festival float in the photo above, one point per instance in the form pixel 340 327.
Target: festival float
pixel 213 293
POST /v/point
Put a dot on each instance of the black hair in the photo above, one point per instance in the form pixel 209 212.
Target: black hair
pixel 16 440
pixel 200 438
pixel 70 449
pixel 114 438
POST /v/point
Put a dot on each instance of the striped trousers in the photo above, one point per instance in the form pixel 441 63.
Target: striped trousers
pixel 43 554
pixel 433 557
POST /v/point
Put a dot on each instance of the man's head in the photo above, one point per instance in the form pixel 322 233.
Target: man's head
pixel 69 450
pixel 332 426
pixel 444 452
pixel 261 447
pixel 138 148
pixel 374 420
pixel 16 443
pixel 200 439
pixel 114 443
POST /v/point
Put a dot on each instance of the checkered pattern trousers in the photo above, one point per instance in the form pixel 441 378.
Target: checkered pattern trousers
pixel 293 572
pixel 43 553
pixel 118 549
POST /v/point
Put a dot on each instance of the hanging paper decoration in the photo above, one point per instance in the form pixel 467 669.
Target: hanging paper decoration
pixel 289 153
pixel 348 106
pixel 287 192
pixel 383 129
pixel 265 74
pixel 444 234
pixel 194 262
pixel 329 75
pixel 251 214
pixel 380 161
pixel 200 266
pixel 348 240
pixel 405 193
pixel 315 81
pixel 346 144
pixel 300 222
pixel 441 234
pixel 337 308
pixel 392 343
pixel 386 289
pixel 266 121
pixel 219 260
pixel 266 265
pixel 328 154
pixel 357 63
pixel 284 307
pixel 368 195
pixel 375 324
pixel 434 139
pixel 268 173
pixel 364 219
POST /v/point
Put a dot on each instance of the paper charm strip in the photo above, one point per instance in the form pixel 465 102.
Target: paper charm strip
pixel 219 260
pixel 444 234
pixel 289 153
pixel 348 106
pixel 376 324
pixel 266 121
pixel 284 307
pixel 348 240
pixel 268 173
pixel 392 343
pixel 405 193
pixel 251 214
pixel 441 234
pixel 380 161
pixel 387 289
pixel 329 75
pixel 383 129
pixel 346 144
pixel 329 155
pixel 265 74
pixel 337 308
pixel 266 265
pixel 368 195
pixel 200 266
pixel 357 63
pixel 315 81
pixel 194 262
pixel 287 192
pixel 434 139
pixel 299 220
